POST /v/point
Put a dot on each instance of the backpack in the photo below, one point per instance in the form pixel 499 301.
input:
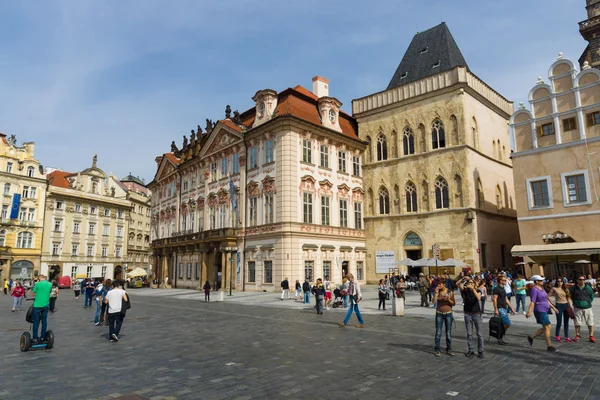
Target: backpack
pixel 496 328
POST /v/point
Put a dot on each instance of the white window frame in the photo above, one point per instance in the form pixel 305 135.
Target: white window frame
pixel 269 144
pixel 253 157
pixel 563 183
pixel 235 163
pixel 531 204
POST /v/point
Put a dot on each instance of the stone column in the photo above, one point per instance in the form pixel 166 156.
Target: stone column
pixel 203 271
pixel 224 271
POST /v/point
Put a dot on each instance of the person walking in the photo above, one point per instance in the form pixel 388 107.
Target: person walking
pixel 562 299
pixel 481 288
pixel 41 291
pixel 99 298
pixel 114 299
pixel 104 310
pixel 18 293
pixel 520 285
pixel 444 300
pixel 53 296
pixel 298 288
pixel 76 288
pixel 206 288
pixel 318 290
pixel 5 286
pixel 328 294
pixel 540 304
pixel 285 288
pixel 582 297
pixel 501 305
pixel 344 291
pixel 472 315
pixel 355 296
pixel 306 290
pixel 382 291
pixel 423 289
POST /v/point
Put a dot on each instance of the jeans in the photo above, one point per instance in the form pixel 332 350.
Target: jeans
pixel 381 301
pixel 115 320
pixel 521 300
pixel 17 301
pixel 318 304
pixel 470 321
pixel 446 320
pixel 98 311
pixel 345 301
pixel 306 297
pixel 40 313
pixel 482 305
pixel 561 317
pixel 88 299
pixel 298 293
pixel 353 308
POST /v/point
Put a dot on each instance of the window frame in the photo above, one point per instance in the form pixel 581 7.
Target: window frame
pixel 343 213
pixel 307 208
pixel 265 275
pixel 252 157
pixel 324 156
pixel 569 124
pixel 358 215
pixel 235 163
pixel 356 165
pixel 325 210
pixel 586 181
pixel 342 161
pixel 530 193
pixel 307 151
pixel 269 145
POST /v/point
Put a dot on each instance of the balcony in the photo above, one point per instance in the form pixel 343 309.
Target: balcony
pixel 188 236
pixel 589 23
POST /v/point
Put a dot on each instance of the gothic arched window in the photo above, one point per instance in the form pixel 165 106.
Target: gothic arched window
pixel 411 197
pixel 384 201
pixel 442 199
pixel 381 148
pixel 438 135
pixel 408 141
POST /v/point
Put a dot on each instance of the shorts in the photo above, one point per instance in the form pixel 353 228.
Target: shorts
pixel 328 296
pixel 503 314
pixel 584 316
pixel 542 317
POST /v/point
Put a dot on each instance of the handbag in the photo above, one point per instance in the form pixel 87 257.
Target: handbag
pixel 125 305
pixel 570 312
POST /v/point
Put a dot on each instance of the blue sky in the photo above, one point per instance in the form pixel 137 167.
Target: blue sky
pixel 124 78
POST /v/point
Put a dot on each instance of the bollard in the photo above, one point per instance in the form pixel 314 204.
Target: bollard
pixel 220 296
pixel 398 307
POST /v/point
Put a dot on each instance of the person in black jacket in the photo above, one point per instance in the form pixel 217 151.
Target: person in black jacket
pixel 306 290
pixel 319 291
pixel 285 288
pixel 472 314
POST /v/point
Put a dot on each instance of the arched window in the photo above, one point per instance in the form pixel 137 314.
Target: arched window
pixel 474 133
pixel 438 135
pixel 408 141
pixel 479 193
pixel 494 148
pixel 384 201
pixel 3 238
pixel 411 197
pixel 381 148
pixel 25 240
pixel 30 172
pixel 498 198
pixel 441 194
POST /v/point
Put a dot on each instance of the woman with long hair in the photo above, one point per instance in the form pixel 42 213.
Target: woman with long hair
pixel 562 300
pixel 381 290
pixel 18 293
pixel 444 301
pixel 481 288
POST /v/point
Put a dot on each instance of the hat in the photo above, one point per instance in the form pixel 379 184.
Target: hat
pixel 537 278
pixel 421 274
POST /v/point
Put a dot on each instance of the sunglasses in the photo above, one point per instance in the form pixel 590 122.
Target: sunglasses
pixel 581 279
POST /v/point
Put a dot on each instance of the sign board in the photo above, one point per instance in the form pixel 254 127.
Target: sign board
pixel 412 239
pixel 444 254
pixel 436 251
pixel 384 261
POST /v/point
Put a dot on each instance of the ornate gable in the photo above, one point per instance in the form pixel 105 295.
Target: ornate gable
pixel 221 138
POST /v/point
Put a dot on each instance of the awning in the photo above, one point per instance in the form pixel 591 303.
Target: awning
pixel 556 249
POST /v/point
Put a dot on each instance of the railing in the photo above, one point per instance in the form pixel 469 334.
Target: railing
pixel 588 23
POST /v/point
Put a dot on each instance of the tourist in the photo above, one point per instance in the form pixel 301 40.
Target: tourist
pixel 424 286
pixel 285 288
pixel 41 302
pixel 114 299
pixel 104 310
pixel 444 300
pixel 98 296
pixel 328 294
pixel 5 286
pixel 76 288
pixel 501 305
pixel 53 296
pixel 508 288
pixel 401 289
pixel 394 282
pixel 482 289
pixel 18 293
pixel 562 298
pixel 344 291
pixel 318 290
pixel 382 291
pixel 472 314
pixel 206 288
pixel 298 290
pixel 540 305
pixel 306 290
pixel 355 297
pixel 520 285
pixel 582 297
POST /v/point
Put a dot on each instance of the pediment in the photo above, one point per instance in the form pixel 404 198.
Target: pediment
pixel 221 138
pixel 165 169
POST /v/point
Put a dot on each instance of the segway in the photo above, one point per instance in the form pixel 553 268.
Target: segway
pixel 26 341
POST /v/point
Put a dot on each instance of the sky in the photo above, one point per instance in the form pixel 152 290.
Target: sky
pixel 122 79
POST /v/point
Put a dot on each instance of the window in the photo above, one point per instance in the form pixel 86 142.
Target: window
pixel 93 210
pixel 104 270
pixel 212 217
pixel 538 192
pixel 235 164
pixel 341 161
pixel 222 216
pixel 360 270
pixel 268 151
pixel 575 187
pixel 59 204
pixel 119 231
pixel 74 249
pixel 25 192
pixel 309 270
pixel 268 274
pixel 25 240
pixel 104 251
pixel 357 215
pixel 92 229
pixel 498 198
pixel 324 210
pixel 106 212
pixel 438 135
pixel 546 129
pixel 356 165
pixel 344 213
pixel 592 119
pixel 2 238
pixel 224 167
pixel 251 271
pixel 22 214
pixel 479 195
pixel 381 148
pixel 307 151
pixel 307 208
pixel 9 166
pixel 192 220
pixel 384 201
pixel 269 208
pixel 89 271
pixel 7 189
pixel 120 214
pixel 196 271
pixel 55 249
pixel 408 141
pixel 442 199
pixel 252 212
pixel 31 214
pixel 118 251
pixel 253 157
pixel 57 225
pixel 483 255
pixel 185 184
pixel 324 162
pixel 326 269
pixel 105 230
pixel 411 197
pixel 188 271
pixel 183 222
pixel 213 172
pixel 4 211
pixel 77 207
pixel 200 220
pixel 33 192
pixel 73 272
pixel 569 124
pixel 180 270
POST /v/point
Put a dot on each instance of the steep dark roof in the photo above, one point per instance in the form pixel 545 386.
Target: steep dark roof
pixel 135 179
pixel 435 45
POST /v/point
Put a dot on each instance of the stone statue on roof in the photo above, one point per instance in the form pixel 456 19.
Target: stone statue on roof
pixel 199 131
pixel 174 148
pixel 236 118
pixel 228 112
pixel 209 125
pixel 185 142
pixel 94 160
pixel 192 138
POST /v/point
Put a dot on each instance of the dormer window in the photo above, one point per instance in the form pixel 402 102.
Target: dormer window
pixel 404 75
pixel 261 109
pixel 332 115
pixel 424 50
pixel 437 64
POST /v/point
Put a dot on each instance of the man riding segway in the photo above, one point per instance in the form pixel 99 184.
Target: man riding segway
pixel 41 302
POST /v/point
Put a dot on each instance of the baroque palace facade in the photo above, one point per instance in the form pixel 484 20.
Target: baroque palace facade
pixel 272 193
pixel 437 167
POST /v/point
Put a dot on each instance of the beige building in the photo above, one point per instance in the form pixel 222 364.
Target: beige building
pixel 272 193
pixel 437 169
pixel 23 198
pixel 556 168
pixel 86 226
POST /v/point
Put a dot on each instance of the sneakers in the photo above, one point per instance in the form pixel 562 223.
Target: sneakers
pixel 592 339
pixel 552 349
pixel 502 342
pixel 114 337
pixel 557 338
pixel 450 353
pixel 469 354
pixel 530 340
pixel 97 323
pixel 480 355
pixel 112 340
pixel 437 353
pixel 568 340
pixel 360 325
pixel 343 325
pixel 576 338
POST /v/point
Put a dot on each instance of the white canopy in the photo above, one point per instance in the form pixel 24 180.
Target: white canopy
pixel 137 272
pixel 451 262
pixel 407 261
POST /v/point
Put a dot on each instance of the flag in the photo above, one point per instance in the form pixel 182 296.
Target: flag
pixel 234 203
pixel 16 204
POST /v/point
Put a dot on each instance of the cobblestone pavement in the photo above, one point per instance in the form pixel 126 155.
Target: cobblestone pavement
pixel 174 346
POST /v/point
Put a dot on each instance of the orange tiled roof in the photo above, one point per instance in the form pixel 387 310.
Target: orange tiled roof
pixel 231 125
pixel 172 158
pixel 59 179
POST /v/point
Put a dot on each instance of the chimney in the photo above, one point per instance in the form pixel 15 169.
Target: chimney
pixel 320 86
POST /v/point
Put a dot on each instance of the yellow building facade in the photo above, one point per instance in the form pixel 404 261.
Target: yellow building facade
pixel 23 200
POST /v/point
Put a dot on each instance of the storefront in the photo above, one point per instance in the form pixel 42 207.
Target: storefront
pixel 22 269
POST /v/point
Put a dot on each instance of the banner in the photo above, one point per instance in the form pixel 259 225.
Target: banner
pixel 16 204
pixel 239 262
pixel 384 261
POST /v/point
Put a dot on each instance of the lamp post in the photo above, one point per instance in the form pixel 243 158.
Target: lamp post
pixel 232 251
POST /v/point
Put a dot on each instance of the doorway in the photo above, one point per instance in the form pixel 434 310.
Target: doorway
pixel 53 272
pixel 413 255
pixel 344 268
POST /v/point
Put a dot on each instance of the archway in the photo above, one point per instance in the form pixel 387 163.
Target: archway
pixel 21 269
pixel 118 272
pixel 53 272
pixel 413 247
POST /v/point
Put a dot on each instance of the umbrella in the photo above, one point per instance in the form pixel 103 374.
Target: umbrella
pixel 451 262
pixel 427 262
pixel 137 272
pixel 406 261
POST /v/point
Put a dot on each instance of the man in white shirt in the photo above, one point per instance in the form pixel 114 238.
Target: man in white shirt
pixel 114 299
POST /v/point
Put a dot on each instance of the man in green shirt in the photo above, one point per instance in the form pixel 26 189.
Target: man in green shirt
pixel 520 285
pixel 41 302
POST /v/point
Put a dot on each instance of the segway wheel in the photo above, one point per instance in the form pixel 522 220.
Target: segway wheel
pixel 49 339
pixel 25 341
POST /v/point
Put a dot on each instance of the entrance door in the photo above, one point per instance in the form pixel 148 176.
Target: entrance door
pixel 218 269
pixel 413 255
pixel 53 272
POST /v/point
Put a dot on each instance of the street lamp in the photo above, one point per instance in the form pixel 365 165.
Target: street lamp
pixel 231 250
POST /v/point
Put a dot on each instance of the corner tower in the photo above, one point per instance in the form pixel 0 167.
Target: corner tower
pixel 590 31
